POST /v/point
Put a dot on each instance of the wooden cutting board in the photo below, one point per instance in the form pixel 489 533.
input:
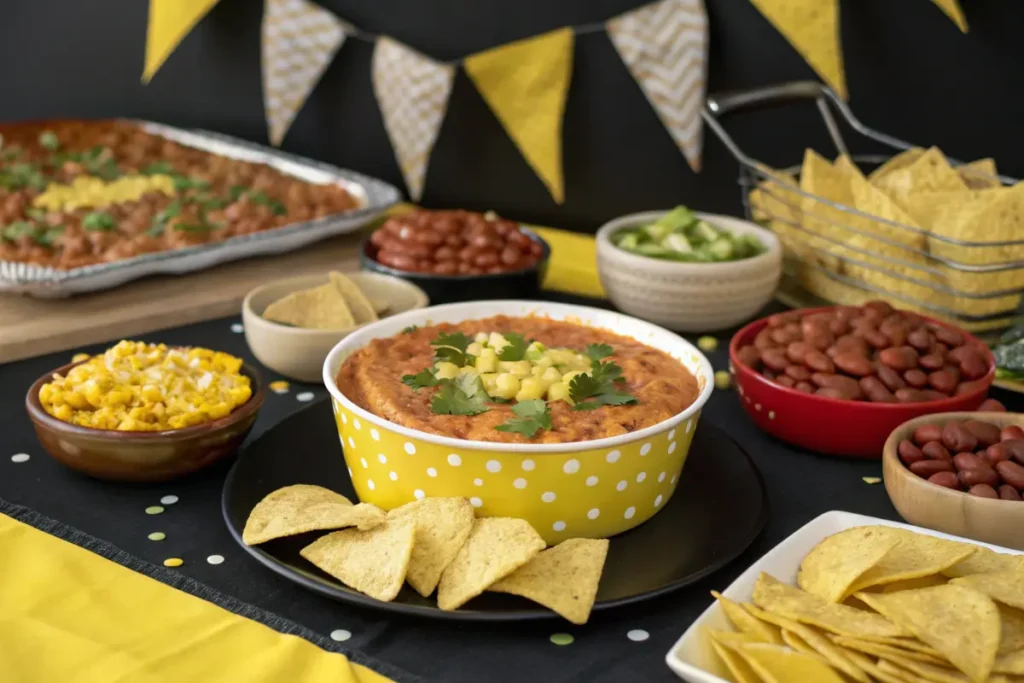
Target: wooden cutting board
pixel 34 327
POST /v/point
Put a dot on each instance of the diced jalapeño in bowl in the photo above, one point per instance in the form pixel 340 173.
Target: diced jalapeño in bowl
pixel 680 235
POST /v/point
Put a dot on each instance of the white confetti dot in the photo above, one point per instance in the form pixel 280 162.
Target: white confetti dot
pixel 621 486
pixel 341 635
pixel 215 559
pixel 419 494
pixel 344 419
pixel 454 460
pixel 351 442
pixel 478 482
pixel 169 500
pixel 672 447
pixel 475 502
pixel 355 423
pixel 369 482
pixel 393 476
pixel 689 424
pixel 20 457
pixel 571 466
pixel 591 480
pixel 630 511
pixel 657 501
pixel 661 477
pixel 431 472
pixel 493 466
pixel 558 526
pixel 613 456
pixel 672 435
pixel 375 435
pixel 528 465
pixel 237 328
pixel 383 458
pixel 519 483
pixel 645 449
pixel 640 477
pixel 548 497
pixel 593 513
pixel 638 635
pixel 409 448
pixel 305 396
pixel 362 461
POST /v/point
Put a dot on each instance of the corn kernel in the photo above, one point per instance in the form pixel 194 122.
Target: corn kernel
pixel 506 386
pixel 530 388
pixel 497 341
pixel 559 392
pixel 519 368
pixel 487 361
pixel 551 375
pixel 446 370
pixel 475 349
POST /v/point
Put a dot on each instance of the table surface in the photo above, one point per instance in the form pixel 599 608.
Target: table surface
pixel 623 644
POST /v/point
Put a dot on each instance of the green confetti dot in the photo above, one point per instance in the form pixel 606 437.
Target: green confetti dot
pixel 561 639
pixel 154 510
pixel 157 536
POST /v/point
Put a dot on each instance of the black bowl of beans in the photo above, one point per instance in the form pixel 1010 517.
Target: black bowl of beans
pixel 960 473
pixel 459 255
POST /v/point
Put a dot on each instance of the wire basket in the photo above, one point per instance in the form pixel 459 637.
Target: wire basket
pixel 836 253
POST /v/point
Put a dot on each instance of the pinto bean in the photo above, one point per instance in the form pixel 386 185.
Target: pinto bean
pixel 749 356
pixel 1007 492
pixel 921 339
pixel 915 378
pixel 796 351
pixel 819 362
pixel 775 359
pixel 947 335
pixel 853 364
pixel 798 372
pixel 1012 473
pixel 899 357
pixel 991 405
pixel 875 390
pixel 931 361
pixel 997 453
pixel 943 380
pixel 889 378
pixel 845 384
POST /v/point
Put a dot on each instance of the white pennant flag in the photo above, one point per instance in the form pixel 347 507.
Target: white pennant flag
pixel 664 45
pixel 299 40
pixel 412 91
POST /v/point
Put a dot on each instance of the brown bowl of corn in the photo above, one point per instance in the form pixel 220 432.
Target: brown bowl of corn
pixel 145 412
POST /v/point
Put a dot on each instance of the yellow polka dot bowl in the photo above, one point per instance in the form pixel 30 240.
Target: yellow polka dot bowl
pixel 595 488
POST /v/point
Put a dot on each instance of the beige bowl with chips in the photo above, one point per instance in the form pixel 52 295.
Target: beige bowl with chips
pixel 299 352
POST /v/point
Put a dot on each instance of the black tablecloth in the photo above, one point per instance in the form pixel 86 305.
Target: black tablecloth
pixel 627 644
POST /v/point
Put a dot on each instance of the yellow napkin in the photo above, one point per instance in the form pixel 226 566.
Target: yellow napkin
pixel 69 615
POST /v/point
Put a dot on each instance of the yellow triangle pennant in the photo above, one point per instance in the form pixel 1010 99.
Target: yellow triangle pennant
pixel 953 11
pixel 169 22
pixel 812 28
pixel 525 83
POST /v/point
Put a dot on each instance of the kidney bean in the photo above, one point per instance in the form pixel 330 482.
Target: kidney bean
pixel 781 319
pixel 846 384
pixel 878 308
pixel 926 468
pixel 909 453
pixel 973 367
pixel 921 339
pixel 798 372
pixel 1012 473
pixel 486 259
pixel 982 474
pixel 832 392
pixel 959 353
pixel 986 433
pixel 915 378
pixel 876 339
pixel 785 335
pixel 395 260
pixel 819 362
pixel 1007 492
pixel 966 461
pixel 983 491
pixel 813 324
pixel 1011 432
pixel 851 343
pixel 926 433
pixel 1016 449
pixel 947 335
pixel 931 361
pixel 996 453
pixel 446 268
pixel 934 450
pixel 805 387
pixel 775 359
pixel 889 378
pixel 909 395
pixel 749 356
pixel 932 395
pixel 796 351
pixel 957 438
pixel 820 341
pixel 786 381
pixel 990 405
pixel 945 479
pixel 764 340
pixel 875 390
pixel 898 357
pixel 839 326
pixel 853 364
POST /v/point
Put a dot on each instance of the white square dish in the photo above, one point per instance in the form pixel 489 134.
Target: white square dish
pixel 692 657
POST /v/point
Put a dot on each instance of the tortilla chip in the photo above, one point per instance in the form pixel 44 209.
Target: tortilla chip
pixel 777 664
pixel 912 644
pixel 564 578
pixel 320 308
pixel 1006 587
pixel 928 173
pixel 872 668
pixel 746 622
pixel 372 562
pixel 984 561
pixel 914 584
pixel 723 643
pixel 797 643
pixel 496 547
pixel 833 565
pixel 1012 632
pixel 962 624
pixel 300 508
pixel 442 527
pixel 980 174
pixel 914 671
pixel 896 163
pixel 819 178
pixel 1012 663
pixel 915 555
pixel 361 307
pixel 772 595
pixel 883 650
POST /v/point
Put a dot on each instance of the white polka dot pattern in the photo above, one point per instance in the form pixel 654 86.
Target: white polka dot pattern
pixel 571 466
pixel 529 465
pixel 431 472
pixel 558 526
pixel 493 466
pixel 548 497
pixel 519 483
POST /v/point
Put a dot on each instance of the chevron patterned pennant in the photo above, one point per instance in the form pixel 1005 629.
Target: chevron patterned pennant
pixel 412 92
pixel 299 40
pixel 664 46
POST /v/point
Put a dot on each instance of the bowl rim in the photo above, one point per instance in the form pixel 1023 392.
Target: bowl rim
pixel 422 301
pixel 890 455
pixel 770 255
pixel 704 367
pixel 37 414
pixel 953 401
pixel 373 265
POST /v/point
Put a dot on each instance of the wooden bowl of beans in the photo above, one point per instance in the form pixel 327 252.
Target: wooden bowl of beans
pixel 838 380
pixel 459 255
pixel 960 473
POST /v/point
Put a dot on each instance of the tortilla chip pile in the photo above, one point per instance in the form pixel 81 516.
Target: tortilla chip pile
pixel 337 305
pixel 880 603
pixel 919 189
pixel 433 543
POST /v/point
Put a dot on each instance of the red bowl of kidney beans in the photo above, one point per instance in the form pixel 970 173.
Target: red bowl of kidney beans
pixel 838 380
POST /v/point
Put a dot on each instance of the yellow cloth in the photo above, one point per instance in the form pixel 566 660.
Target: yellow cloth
pixel 812 28
pixel 525 83
pixel 169 22
pixel 69 615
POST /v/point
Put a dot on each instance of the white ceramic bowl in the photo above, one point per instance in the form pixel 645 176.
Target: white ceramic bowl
pixel 594 488
pixel 689 297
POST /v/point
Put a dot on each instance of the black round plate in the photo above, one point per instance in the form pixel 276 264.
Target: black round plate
pixel 717 511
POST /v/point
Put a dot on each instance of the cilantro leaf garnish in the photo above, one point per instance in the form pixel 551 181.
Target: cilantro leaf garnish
pixel 48 140
pixel 452 399
pixel 45 236
pixel 158 168
pixel 515 349
pixel 194 227
pixel 262 198
pixel 598 351
pixel 98 221
pixel 530 417
pixel 423 378
pixel 451 348
pixel 13 231
pixel 410 329
pixel 599 388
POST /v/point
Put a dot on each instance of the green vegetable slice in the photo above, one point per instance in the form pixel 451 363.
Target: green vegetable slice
pixel 98 221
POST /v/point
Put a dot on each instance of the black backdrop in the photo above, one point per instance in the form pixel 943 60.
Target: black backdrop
pixel 911 73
